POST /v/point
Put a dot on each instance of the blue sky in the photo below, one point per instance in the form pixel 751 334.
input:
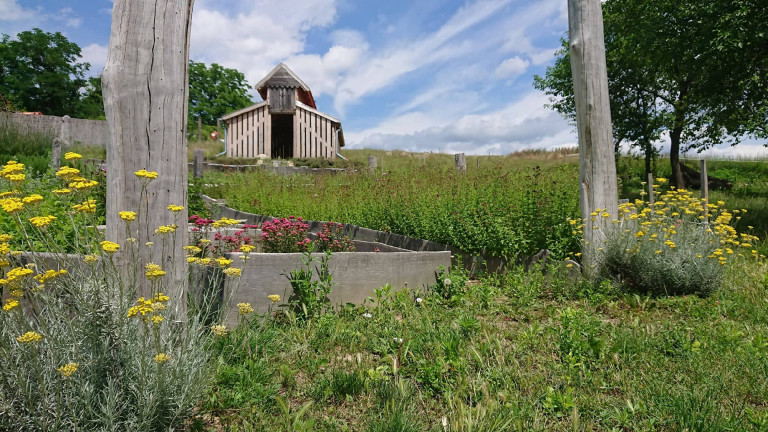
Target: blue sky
pixel 427 75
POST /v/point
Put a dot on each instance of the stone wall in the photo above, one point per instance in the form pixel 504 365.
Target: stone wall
pixel 69 130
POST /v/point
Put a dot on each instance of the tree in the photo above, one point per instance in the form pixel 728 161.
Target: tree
pixel 92 102
pixel 145 99
pixel 597 169
pixel 40 72
pixel 679 67
pixel 215 91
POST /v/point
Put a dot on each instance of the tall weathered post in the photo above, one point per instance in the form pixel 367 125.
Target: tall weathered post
pixel 597 169
pixel 145 99
pixel 461 162
pixel 372 163
pixel 56 154
pixel 198 163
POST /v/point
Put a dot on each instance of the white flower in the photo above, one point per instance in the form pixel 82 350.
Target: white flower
pixel 367 315
pixel 419 299
pixel 447 282
pixel 398 340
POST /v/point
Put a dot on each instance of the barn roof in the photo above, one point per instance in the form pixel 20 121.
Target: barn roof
pixel 283 76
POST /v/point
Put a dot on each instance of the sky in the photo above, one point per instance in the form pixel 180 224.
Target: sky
pixel 429 75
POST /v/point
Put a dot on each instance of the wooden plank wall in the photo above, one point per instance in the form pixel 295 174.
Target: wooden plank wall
pixel 248 134
pixel 314 135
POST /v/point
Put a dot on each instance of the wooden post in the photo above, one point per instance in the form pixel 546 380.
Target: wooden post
pixel 704 189
pixel 56 154
pixel 651 198
pixel 198 163
pixel 372 163
pixel 597 168
pixel 478 163
pixel 199 129
pixel 461 162
pixel 145 99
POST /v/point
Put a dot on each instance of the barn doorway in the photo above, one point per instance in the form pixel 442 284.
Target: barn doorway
pixel 282 136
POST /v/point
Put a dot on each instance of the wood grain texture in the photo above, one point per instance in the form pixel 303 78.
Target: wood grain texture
pixel 597 169
pixel 145 98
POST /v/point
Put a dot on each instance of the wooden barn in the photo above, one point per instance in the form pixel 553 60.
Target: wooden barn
pixel 286 124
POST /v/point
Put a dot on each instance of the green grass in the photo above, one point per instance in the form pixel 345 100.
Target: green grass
pixel 506 207
pixel 513 352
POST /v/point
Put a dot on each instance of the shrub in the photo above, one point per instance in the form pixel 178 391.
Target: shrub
pixel 79 351
pixel 285 235
pixel 332 239
pixel 310 294
pixel 668 248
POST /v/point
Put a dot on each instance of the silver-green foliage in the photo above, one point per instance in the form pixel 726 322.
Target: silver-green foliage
pixel 83 319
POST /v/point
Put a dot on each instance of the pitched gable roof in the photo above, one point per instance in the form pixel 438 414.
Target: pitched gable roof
pixel 283 76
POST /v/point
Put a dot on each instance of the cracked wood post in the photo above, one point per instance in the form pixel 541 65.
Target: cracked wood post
pixel 56 154
pixel 145 99
pixel 461 162
pixel 597 167
pixel 198 164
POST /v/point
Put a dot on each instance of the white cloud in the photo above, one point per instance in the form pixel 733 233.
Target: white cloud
pixel 253 37
pixel 524 123
pixel 511 68
pixel 384 68
pixel 96 55
pixel 10 10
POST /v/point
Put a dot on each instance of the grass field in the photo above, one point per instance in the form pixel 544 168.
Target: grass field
pixel 515 352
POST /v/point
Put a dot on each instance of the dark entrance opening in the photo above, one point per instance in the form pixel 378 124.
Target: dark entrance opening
pixel 282 136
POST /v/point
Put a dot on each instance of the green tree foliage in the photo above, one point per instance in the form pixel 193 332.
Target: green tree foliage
pixel 215 91
pixel 695 70
pixel 40 72
pixel 92 102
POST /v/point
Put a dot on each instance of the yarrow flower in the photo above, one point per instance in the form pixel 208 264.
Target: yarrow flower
pixel 146 175
pixel 223 262
pixel 233 272
pixel 67 173
pixel 109 247
pixel 218 330
pixel 244 308
pixel 154 271
pixel 68 369
pixel 72 156
pixel 161 358
pixel 10 304
pixel 166 229
pixel 32 199
pixel 90 259
pixel 30 337
pixel 11 205
pixel 127 216
pixel 175 208
pixel 88 206
pixel 42 221
pixel 274 298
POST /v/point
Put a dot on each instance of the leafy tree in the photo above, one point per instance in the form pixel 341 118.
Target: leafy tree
pixel 680 67
pixel 215 91
pixel 92 102
pixel 40 72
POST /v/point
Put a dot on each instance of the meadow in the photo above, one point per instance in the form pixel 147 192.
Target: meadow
pixel 522 350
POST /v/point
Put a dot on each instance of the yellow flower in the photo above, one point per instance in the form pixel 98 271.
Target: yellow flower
pixel 143 307
pixel 224 222
pixel 154 271
pixel 157 319
pixel 90 258
pixel 234 272
pixel 29 337
pixel 161 358
pixel 81 183
pixel 223 262
pixel 192 260
pixel 68 369
pixel 109 247
pixel 11 205
pixel 662 180
pixel 32 199
pixel 67 172
pixel 218 330
pixel 247 248
pixel 49 275
pixel 166 229
pixel 205 261
pixel 10 304
pixel 274 297
pixel 16 178
pixel 144 174
pixel 175 208
pixel 244 308
pixel 5 237
pixel 127 216
pixel 61 191
pixel 88 206
pixel 42 221
pixel 72 156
